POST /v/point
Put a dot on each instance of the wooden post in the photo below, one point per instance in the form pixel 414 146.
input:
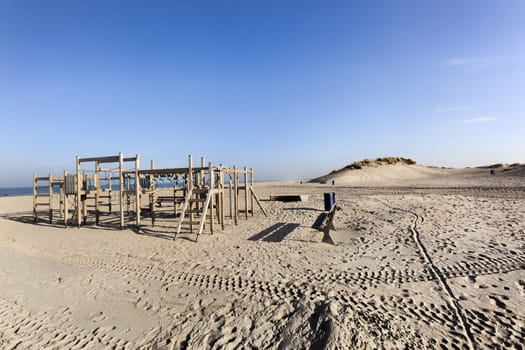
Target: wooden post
pixel 246 192
pixel 137 192
pixel 174 179
pixel 61 200
pixel 121 189
pixel 66 204
pixel 201 177
pixel 35 213
pixel 96 182
pixel 236 194
pixel 230 187
pixel 50 179
pixel 110 209
pixel 212 194
pixel 190 187
pixel 152 194
pixel 251 189
pixel 84 202
pixel 221 196
pixel 79 190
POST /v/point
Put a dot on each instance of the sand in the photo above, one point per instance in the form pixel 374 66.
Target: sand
pixel 420 262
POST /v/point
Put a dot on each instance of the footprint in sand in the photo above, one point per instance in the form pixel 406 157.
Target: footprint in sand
pixel 497 302
pixel 97 316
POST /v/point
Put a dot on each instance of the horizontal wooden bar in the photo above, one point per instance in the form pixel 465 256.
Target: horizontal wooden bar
pixel 169 171
pixel 106 159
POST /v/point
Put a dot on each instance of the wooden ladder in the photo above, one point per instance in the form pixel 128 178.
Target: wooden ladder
pixel 201 198
pixel 38 192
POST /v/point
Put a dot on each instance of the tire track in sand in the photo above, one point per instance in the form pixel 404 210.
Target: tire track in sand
pixel 453 300
pixel 21 328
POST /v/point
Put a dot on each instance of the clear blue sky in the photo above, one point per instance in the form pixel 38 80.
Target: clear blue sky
pixel 291 88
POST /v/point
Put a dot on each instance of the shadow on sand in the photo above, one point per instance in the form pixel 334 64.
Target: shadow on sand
pixel 275 233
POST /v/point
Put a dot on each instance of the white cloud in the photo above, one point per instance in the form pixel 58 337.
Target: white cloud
pixel 477 120
pixel 472 64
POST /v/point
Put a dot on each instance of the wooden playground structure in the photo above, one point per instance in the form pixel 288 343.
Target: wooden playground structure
pixel 185 199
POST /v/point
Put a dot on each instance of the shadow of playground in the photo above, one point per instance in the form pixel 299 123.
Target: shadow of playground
pixel 275 233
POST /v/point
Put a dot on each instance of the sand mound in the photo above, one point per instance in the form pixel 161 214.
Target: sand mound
pixel 397 171
pixel 379 174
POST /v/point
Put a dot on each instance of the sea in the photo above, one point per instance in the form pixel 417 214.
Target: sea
pixel 24 191
pixel 15 191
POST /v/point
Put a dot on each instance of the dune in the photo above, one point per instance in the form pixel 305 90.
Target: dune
pixel 382 174
pixel 403 174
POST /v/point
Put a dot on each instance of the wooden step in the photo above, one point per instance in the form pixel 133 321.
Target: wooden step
pixel 190 222
pixel 197 200
pixel 195 211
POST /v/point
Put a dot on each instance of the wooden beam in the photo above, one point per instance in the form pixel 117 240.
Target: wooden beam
pixel 190 189
pixel 236 194
pixel 66 204
pixel 50 181
pixel 212 187
pixel 245 171
pixel 137 192
pixel 152 194
pixel 105 159
pixel 35 214
pixel 79 188
pixel 258 201
pixel 96 182
pixel 121 189
pixel 251 192
pixel 221 195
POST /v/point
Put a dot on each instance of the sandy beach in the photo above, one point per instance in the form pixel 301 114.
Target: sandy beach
pixel 425 258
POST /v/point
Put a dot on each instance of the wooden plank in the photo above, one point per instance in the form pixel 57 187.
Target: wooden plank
pixel 169 171
pixel 84 202
pixel 104 159
pixel 221 196
pixel 191 184
pixel 251 192
pixel 96 182
pixel 236 194
pixel 212 186
pixel 204 211
pixel 66 204
pixel 246 191
pixel 137 192
pixel 258 201
pixel 35 214
pixel 121 190
pixel 50 199
pixel 78 194
pixel 183 212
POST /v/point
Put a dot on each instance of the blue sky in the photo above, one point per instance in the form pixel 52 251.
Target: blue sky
pixel 291 88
